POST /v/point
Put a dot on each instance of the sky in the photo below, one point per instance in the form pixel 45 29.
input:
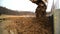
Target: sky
pixel 20 5
pixel 23 5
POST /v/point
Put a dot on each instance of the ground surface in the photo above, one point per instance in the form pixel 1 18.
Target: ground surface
pixel 23 24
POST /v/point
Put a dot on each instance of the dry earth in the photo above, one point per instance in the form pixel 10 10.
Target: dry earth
pixel 24 25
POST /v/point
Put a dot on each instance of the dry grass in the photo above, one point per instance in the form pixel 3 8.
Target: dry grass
pixel 23 25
